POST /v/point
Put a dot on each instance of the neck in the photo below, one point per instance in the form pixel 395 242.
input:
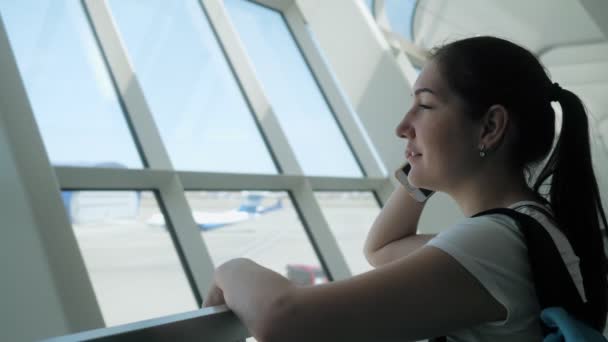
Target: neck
pixel 491 187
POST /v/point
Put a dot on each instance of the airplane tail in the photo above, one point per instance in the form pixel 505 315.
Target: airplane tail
pixel 252 204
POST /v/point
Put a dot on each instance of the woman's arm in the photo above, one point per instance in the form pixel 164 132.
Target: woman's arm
pixel 254 293
pixel 393 234
pixel 427 294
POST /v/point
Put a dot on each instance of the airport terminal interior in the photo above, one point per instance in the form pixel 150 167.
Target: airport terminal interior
pixel 144 143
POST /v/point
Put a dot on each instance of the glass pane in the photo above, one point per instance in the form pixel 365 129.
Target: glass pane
pixel 350 216
pixel 134 268
pixel 68 85
pixel 400 15
pixel 292 90
pixel 196 102
pixel 262 226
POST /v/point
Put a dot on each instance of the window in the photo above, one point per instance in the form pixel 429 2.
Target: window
pixel 350 216
pixel 259 225
pixel 68 85
pixel 401 16
pixel 199 109
pixel 132 263
pixel 299 104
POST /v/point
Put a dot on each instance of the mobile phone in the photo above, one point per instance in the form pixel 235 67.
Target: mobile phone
pixel 419 194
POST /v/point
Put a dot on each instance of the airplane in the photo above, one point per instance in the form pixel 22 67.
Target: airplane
pixel 249 209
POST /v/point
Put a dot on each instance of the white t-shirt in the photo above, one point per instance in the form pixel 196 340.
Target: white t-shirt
pixel 493 250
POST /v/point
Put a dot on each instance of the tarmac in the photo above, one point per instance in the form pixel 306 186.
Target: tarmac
pixel 135 269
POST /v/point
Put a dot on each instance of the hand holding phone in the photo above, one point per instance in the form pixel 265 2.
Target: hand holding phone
pixel 419 194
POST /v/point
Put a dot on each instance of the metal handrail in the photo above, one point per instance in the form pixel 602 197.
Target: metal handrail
pixel 213 324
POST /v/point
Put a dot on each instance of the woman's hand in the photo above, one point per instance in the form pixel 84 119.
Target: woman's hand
pixel 257 295
pixel 214 297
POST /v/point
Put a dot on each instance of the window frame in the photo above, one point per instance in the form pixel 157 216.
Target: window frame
pixel 170 185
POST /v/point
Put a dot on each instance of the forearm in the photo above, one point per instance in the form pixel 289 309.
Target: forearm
pixel 398 220
pixel 399 249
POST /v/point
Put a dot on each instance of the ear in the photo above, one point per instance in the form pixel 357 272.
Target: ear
pixel 494 127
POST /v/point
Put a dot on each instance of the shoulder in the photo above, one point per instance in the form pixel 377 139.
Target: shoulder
pixel 493 250
pixel 481 233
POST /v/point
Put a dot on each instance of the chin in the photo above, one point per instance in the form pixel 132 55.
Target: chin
pixel 417 182
pixel 414 181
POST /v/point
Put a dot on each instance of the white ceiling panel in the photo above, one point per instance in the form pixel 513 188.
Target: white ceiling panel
pixel 538 24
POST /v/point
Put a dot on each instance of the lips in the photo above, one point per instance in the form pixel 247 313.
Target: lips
pixel 411 153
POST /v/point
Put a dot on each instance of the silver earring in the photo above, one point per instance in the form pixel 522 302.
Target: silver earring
pixel 482 151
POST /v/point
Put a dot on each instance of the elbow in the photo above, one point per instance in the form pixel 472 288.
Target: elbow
pixel 372 259
pixel 277 322
pixel 368 252
pixel 371 255
pixel 368 256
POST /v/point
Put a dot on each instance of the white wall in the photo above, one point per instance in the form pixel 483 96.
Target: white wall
pixel 30 307
pixel 45 288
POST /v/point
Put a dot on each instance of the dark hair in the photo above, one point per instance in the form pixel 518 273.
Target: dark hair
pixel 486 71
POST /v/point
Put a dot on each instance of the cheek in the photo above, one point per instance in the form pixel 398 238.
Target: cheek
pixel 441 140
pixel 451 150
pixel 439 150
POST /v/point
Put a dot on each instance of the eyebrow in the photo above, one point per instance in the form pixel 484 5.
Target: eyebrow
pixel 422 90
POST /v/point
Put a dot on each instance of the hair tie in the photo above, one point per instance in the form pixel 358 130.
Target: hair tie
pixel 555 92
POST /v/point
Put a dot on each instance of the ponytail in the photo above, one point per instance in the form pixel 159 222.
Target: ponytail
pixel 576 202
pixel 484 71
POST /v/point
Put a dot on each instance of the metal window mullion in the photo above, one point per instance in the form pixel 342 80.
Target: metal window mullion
pixel 218 182
pixel 314 221
pixel 338 103
pixel 136 109
pixel 361 147
pixel 278 5
pixel 321 236
pixel 244 71
pixel 111 179
pixel 146 179
pixel 345 184
pixel 209 181
pixel 193 253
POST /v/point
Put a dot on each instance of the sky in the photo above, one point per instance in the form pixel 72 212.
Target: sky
pixel 194 97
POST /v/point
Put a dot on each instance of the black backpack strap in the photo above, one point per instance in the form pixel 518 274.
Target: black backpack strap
pixel 553 283
pixel 538 207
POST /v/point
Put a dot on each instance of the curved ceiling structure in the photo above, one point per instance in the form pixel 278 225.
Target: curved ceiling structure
pixel 570 38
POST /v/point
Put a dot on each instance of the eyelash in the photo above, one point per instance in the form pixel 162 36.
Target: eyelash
pixel 424 106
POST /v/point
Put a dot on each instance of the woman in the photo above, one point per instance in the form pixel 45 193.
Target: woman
pixel 481 120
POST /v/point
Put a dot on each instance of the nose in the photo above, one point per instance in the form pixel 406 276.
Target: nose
pixel 404 129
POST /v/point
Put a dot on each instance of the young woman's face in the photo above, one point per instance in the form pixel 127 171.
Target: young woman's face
pixel 442 139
